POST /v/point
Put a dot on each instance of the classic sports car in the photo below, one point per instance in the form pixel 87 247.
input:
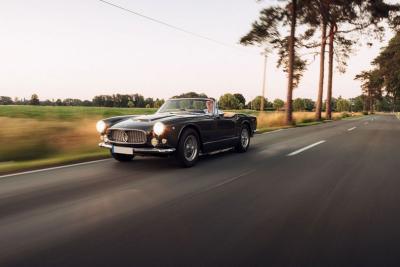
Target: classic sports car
pixel 184 127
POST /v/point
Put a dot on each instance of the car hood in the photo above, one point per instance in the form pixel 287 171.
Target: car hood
pixel 154 117
pixel 146 122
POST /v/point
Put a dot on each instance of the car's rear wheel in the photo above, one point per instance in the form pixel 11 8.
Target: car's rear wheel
pixel 188 148
pixel 244 139
pixel 122 157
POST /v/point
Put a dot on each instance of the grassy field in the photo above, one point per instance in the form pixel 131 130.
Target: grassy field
pixel 67 113
pixel 35 136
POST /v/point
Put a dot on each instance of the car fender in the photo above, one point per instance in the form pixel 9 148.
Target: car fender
pixel 190 125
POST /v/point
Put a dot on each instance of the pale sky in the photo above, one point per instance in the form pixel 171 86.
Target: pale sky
pixel 83 48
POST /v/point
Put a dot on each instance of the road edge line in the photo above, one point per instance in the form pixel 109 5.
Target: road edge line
pixel 53 168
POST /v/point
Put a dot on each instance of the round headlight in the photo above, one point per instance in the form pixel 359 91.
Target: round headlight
pixel 101 126
pixel 159 128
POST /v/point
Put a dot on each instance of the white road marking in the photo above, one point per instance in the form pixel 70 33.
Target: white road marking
pixel 53 168
pixel 305 148
pixel 351 129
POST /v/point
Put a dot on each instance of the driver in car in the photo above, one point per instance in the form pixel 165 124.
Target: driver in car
pixel 210 107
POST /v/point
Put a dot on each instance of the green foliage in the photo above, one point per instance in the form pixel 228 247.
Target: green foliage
pixel 191 95
pixel 384 104
pixel 388 66
pixel 343 105
pixel 278 104
pixel 228 101
pixel 303 104
pixel 256 103
pixel 241 99
pixel 34 100
pixel 158 103
pixel 116 100
pixel 5 100
pixel 333 104
pixel 266 31
pixel 357 104
pixel 131 104
pixel 308 104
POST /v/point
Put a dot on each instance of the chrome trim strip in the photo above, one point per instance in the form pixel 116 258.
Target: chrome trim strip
pixel 127 129
pixel 216 151
pixel 221 140
pixel 154 150
pixel 144 149
pixel 123 143
pixel 105 145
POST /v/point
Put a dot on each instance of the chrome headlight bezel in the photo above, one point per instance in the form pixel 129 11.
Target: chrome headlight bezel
pixel 159 128
pixel 101 126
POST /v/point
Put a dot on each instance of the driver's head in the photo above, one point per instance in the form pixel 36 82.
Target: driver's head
pixel 210 106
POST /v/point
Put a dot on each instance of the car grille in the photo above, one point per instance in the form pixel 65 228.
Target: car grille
pixel 127 136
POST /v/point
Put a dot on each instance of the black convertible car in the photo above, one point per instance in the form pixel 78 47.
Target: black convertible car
pixel 183 127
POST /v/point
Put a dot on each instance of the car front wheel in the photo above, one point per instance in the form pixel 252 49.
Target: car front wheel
pixel 188 148
pixel 122 157
pixel 244 140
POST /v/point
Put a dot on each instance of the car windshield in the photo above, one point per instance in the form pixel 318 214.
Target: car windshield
pixel 184 105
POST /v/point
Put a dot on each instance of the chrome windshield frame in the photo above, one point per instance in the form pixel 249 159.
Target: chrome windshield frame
pixel 215 108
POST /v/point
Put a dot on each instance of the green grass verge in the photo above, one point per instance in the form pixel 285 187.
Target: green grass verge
pixel 303 124
pixel 271 129
pixel 68 113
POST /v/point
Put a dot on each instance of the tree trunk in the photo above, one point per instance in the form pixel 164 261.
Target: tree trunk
pixel 369 101
pixel 318 108
pixel 289 104
pixel 332 32
pixel 262 104
pixel 365 103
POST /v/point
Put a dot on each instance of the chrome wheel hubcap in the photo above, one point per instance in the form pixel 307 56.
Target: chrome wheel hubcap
pixel 244 138
pixel 190 148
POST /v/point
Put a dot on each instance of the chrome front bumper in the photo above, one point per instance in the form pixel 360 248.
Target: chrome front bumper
pixel 144 150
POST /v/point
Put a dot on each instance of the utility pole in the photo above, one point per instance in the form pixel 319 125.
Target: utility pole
pixel 265 54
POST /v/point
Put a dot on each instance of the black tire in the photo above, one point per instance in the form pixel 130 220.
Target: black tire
pixel 244 140
pixel 187 153
pixel 122 157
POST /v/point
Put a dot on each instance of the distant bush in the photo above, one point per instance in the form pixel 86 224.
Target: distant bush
pixel 346 115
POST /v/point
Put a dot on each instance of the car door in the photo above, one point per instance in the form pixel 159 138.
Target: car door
pixel 226 130
pixel 208 126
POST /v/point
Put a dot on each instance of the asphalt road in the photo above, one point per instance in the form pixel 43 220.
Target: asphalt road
pixel 325 195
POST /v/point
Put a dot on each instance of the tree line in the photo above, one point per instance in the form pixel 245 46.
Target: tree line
pixel 227 101
pixel 319 25
pixel 382 82
pixel 115 100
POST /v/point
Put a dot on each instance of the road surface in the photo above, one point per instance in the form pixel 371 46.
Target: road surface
pixel 325 195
